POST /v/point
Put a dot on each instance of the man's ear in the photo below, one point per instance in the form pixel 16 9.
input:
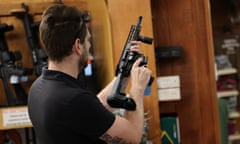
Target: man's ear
pixel 77 46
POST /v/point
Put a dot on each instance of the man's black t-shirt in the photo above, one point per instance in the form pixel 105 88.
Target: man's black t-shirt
pixel 63 112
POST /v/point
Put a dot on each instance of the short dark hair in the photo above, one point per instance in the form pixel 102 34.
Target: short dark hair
pixel 59 28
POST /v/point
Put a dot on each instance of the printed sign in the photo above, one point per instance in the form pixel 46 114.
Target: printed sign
pixel 169 88
pixel 15 117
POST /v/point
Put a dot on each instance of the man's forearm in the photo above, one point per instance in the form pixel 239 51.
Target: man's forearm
pixel 103 94
pixel 136 117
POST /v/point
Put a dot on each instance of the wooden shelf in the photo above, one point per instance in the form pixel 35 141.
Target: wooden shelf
pixel 234 137
pixel 234 115
pixel 14 118
pixel 226 71
pixel 227 93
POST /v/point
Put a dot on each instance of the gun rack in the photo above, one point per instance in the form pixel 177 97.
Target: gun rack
pixel 35 8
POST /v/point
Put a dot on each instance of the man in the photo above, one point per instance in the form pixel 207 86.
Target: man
pixel 62 111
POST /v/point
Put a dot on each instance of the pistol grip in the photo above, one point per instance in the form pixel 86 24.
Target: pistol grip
pixel 150 81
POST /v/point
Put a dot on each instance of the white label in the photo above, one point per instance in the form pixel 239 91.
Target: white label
pixel 230 43
pixel 14 79
pixel 16 117
pixel 169 94
pixel 168 82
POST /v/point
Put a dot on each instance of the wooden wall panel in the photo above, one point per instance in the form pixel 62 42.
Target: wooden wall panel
pixel 187 23
pixel 123 14
pixel 102 40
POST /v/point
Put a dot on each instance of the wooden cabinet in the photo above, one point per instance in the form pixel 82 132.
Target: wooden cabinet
pixel 188 24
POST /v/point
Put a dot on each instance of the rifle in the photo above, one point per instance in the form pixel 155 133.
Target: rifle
pixel 11 67
pixel 39 56
pixel 118 98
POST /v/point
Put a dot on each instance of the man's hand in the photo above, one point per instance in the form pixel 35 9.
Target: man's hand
pixel 140 76
pixel 135 46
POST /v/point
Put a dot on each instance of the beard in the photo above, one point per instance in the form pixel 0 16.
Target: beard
pixel 82 63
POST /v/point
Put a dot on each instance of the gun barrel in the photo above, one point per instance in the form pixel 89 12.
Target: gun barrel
pixel 139 21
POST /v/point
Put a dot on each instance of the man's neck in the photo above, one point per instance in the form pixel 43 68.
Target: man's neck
pixel 65 67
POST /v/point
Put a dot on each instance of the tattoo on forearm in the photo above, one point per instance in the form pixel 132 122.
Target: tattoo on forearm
pixel 113 140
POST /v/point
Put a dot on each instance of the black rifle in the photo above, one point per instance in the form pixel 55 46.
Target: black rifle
pixel 11 66
pixel 39 56
pixel 118 98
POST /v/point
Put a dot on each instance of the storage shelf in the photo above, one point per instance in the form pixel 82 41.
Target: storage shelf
pixel 234 137
pixel 227 93
pixel 234 115
pixel 226 71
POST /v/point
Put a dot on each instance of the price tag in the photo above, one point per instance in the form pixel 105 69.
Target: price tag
pixel 169 94
pixel 16 117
